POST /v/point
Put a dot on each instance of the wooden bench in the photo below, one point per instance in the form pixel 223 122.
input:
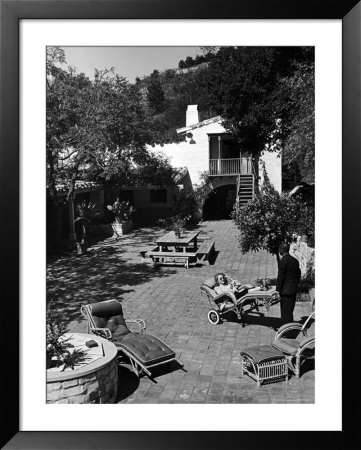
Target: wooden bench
pixel 205 249
pixel 165 257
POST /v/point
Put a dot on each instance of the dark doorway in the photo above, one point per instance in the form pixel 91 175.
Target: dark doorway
pixel 219 203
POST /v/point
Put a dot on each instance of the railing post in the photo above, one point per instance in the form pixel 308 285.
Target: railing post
pixel 219 154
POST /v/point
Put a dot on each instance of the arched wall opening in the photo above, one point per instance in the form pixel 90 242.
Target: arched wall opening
pixel 219 203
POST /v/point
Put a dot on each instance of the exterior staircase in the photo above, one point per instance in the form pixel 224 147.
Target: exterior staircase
pixel 245 189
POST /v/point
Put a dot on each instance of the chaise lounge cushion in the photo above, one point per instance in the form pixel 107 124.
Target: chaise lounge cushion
pixel 262 294
pixel 210 283
pixel 110 315
pixel 146 348
pixel 291 346
pixel 261 353
pixel 288 346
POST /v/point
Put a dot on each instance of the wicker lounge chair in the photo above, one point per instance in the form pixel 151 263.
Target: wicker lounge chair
pixel 296 342
pixel 144 351
pixel 235 303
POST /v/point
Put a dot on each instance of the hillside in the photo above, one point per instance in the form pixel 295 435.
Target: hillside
pixel 167 95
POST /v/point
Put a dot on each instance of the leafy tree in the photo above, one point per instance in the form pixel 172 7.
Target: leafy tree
pixel 265 97
pixel 96 130
pixel 62 130
pixel 299 142
pixel 189 61
pixel 180 90
pixel 270 219
pixel 208 51
pixel 184 90
pixel 291 175
pixel 155 95
pixel 199 59
pixel 239 84
pixel 154 169
pixel 182 64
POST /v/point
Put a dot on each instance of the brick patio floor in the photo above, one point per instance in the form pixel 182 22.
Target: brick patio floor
pixel 168 299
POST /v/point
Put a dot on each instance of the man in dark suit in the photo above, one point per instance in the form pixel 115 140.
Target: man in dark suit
pixel 289 275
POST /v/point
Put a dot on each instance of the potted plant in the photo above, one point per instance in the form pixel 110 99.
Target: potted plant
pixel 176 223
pixel 85 211
pixel 59 351
pixel 122 212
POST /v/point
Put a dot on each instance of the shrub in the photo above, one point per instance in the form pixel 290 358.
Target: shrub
pixel 270 219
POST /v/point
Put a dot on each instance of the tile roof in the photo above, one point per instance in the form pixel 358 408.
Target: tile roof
pixel 199 124
pixel 181 173
pixel 80 185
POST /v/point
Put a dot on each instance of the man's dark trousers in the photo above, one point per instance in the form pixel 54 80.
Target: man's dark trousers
pixel 287 306
pixel 288 278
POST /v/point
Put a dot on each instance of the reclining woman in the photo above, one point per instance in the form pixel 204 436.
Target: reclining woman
pixel 225 284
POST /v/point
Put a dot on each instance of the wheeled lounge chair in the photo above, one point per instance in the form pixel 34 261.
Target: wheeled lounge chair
pixel 234 304
pixel 296 342
pixel 144 351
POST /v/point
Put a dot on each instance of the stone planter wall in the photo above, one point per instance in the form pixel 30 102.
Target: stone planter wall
pixel 96 382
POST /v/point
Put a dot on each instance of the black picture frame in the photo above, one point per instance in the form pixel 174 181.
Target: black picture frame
pixel 12 11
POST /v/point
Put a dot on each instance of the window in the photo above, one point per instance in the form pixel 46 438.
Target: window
pixel 230 149
pixel 223 146
pixel 82 197
pixel 158 196
pixel 127 195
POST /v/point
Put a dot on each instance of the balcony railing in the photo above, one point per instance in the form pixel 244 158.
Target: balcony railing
pixel 230 166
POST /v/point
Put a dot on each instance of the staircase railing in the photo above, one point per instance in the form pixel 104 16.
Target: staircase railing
pixel 238 186
pixel 243 187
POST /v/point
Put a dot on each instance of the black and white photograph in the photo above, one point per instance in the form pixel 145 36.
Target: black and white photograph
pixel 172 179
pixel 180 224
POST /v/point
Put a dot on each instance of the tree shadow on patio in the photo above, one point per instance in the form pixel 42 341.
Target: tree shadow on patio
pixel 258 318
pixel 102 274
pixel 213 257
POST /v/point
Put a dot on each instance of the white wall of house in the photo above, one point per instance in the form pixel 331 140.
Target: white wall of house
pixel 194 156
pixel 273 164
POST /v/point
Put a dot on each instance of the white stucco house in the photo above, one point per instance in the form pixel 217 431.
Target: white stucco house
pixel 208 147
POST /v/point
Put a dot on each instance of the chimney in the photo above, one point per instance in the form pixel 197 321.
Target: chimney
pixel 192 115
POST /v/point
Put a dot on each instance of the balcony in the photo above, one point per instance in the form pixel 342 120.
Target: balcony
pixel 230 166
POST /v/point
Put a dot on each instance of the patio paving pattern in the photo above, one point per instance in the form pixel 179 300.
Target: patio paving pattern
pixel 168 298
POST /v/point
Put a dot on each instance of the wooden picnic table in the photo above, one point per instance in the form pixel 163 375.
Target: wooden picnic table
pixel 173 249
pixel 171 240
